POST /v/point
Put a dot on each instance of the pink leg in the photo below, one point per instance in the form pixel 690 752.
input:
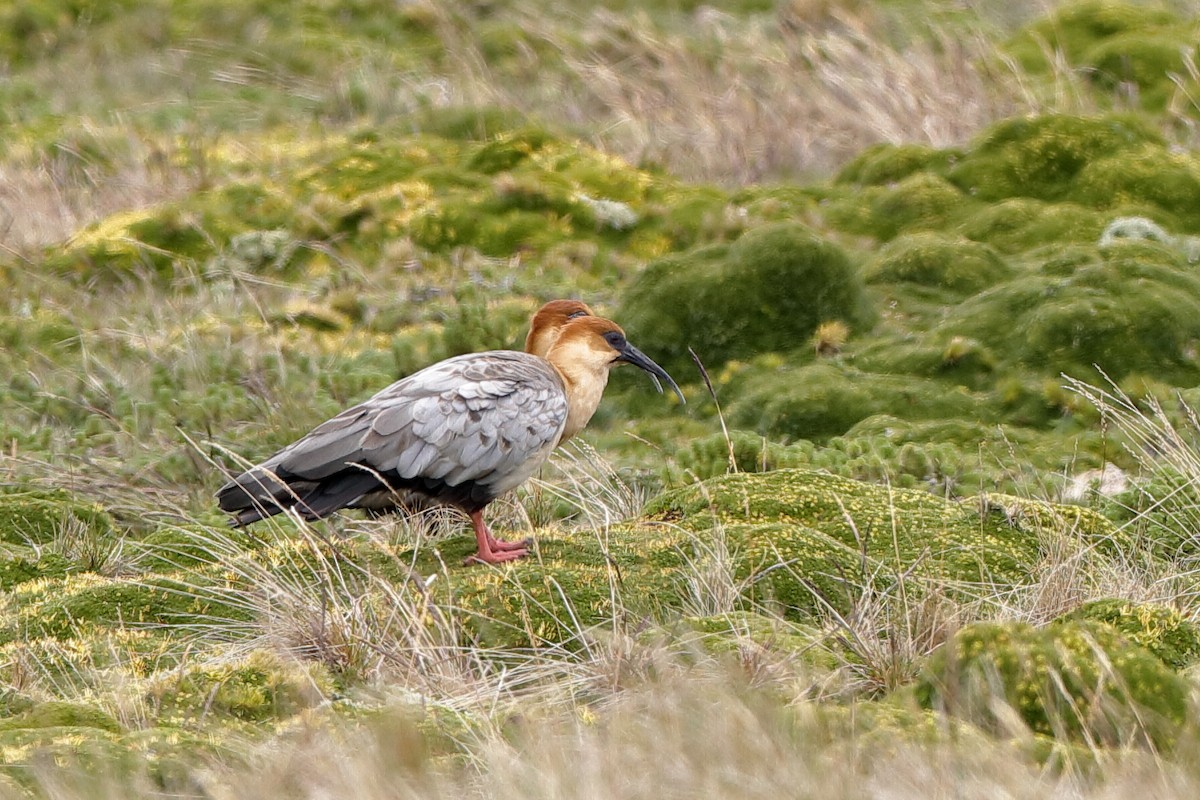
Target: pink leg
pixel 485 553
pixel 500 544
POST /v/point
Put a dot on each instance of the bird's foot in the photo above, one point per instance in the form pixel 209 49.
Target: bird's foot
pixel 500 544
pixel 495 556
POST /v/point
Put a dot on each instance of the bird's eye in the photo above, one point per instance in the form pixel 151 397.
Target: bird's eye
pixel 615 340
pixel 575 314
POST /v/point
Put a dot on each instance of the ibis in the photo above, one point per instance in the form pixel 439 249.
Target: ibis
pixel 544 328
pixel 461 432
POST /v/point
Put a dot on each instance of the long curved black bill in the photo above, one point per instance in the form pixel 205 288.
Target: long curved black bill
pixel 631 355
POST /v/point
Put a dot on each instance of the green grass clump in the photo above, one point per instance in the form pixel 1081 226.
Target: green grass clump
pixel 922 201
pixel 174 242
pixel 1144 64
pixel 1041 157
pixel 746 634
pixel 88 603
pixel 573 584
pixel 39 516
pixel 30 31
pixel 833 536
pixel 767 291
pixel 58 714
pixel 1160 510
pixel 1150 177
pixel 85 751
pixel 817 401
pixel 882 164
pixel 1077 680
pixel 959 360
pixel 1131 308
pixel 505 152
pixel 708 456
pixel 38 330
pixel 1020 224
pixel 18 568
pixel 1160 629
pixel 801 538
pixel 1115 45
pixel 342 200
pixel 260 687
pixel 947 457
pixel 937 260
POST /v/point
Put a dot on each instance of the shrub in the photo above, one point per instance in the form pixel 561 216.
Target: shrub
pixel 937 260
pixel 1040 157
pixel 768 291
pixel 1076 680
pixel 888 163
pixel 922 201
pixel 1160 629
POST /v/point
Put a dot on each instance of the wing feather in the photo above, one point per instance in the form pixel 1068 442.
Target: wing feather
pixel 490 417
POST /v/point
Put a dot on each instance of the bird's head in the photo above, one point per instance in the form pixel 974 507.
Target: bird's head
pixel 548 323
pixel 596 344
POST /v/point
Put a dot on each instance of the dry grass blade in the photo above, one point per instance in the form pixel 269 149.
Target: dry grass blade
pixel 1165 445
pixel 588 483
pixel 45 199
pixel 712 392
pixel 730 110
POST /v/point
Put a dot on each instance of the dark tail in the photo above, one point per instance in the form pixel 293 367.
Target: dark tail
pixel 259 493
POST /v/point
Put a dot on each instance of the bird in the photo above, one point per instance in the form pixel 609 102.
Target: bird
pixel 460 432
pixel 544 328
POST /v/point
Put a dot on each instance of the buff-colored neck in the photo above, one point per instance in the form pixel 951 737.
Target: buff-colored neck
pixel 584 372
pixel 540 339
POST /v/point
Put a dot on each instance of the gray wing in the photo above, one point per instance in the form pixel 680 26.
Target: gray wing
pixel 489 418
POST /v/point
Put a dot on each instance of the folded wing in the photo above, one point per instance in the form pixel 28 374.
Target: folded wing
pixel 460 432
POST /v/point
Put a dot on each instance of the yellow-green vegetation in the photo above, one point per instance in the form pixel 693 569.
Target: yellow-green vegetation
pixel 767 291
pixel 343 199
pixel 254 688
pixel 750 634
pixel 892 234
pixel 38 516
pixel 1130 308
pixel 946 456
pixel 808 541
pixel 1160 629
pixel 1131 50
pixel 1075 680
pixel 815 401
pixel 938 262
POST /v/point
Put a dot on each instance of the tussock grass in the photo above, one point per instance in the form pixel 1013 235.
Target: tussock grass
pixel 46 196
pixel 131 377
pixel 589 486
pixel 617 710
pixel 1162 505
pixel 704 735
pixel 719 97
pixel 741 101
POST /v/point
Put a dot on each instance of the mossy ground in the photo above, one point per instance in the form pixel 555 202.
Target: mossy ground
pixel 887 346
pixel 1074 680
